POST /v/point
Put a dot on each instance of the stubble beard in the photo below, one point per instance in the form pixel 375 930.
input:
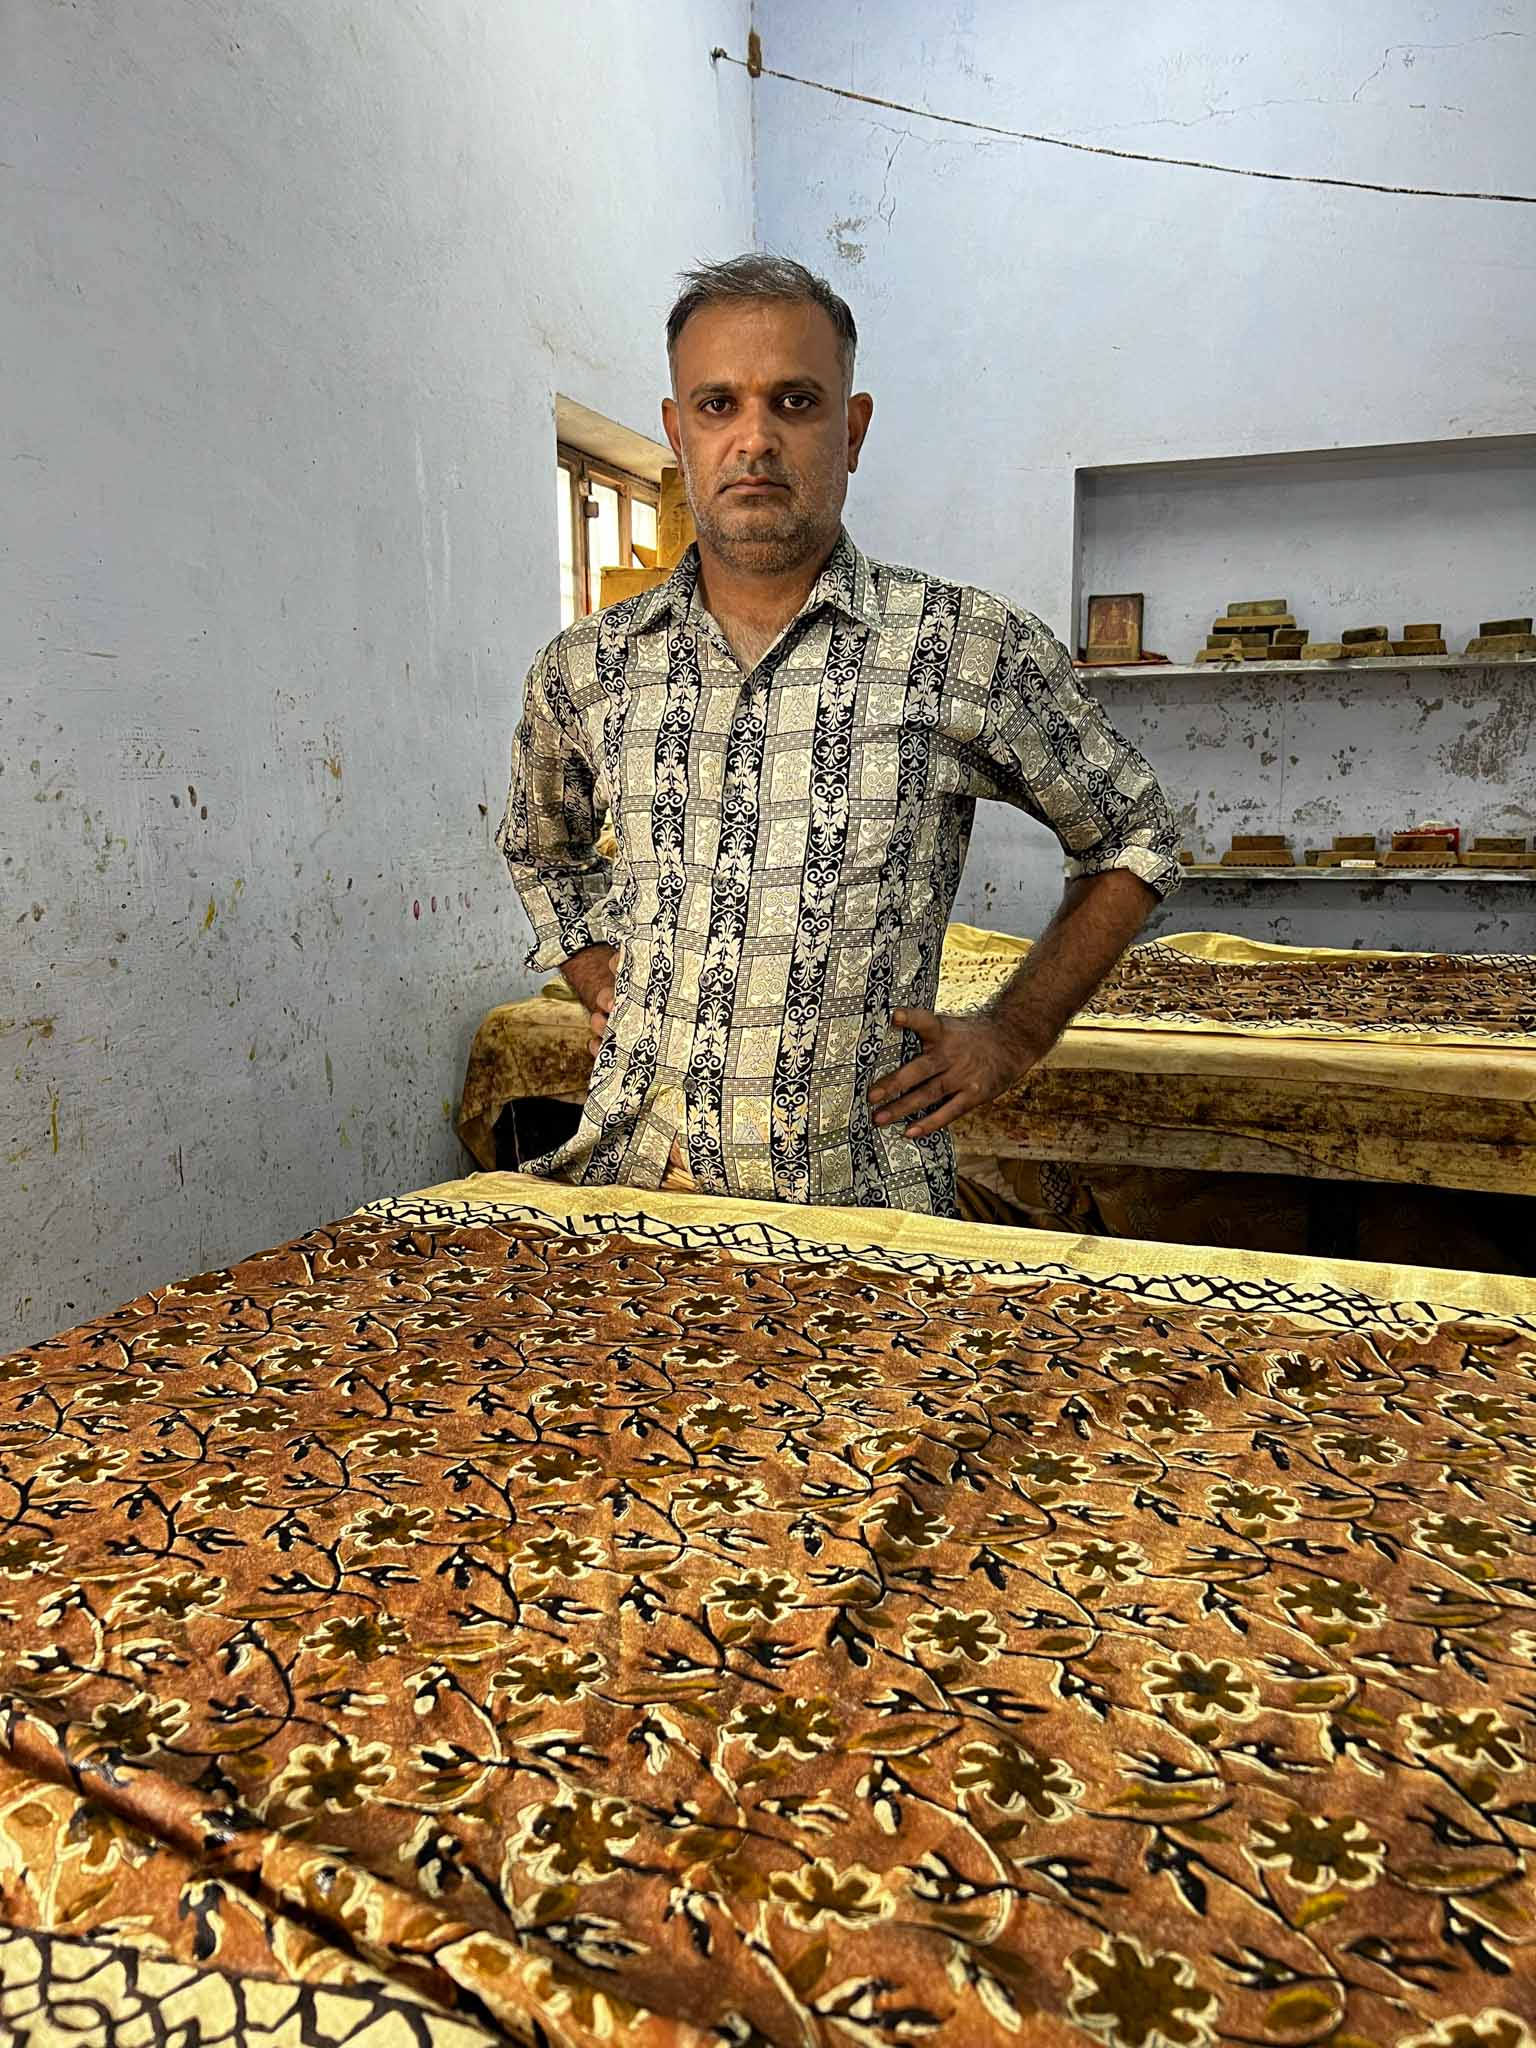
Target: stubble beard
pixel 792 538
pixel 797 533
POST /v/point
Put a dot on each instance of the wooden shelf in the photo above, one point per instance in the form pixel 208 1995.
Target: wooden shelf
pixel 1357 875
pixel 1401 665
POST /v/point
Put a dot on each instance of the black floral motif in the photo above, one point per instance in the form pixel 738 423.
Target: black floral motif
pixel 706 1634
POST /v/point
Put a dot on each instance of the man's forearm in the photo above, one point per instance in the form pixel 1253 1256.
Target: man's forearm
pixel 590 974
pixel 1098 918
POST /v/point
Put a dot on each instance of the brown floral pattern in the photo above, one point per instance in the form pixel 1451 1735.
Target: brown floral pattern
pixel 1166 982
pixel 699 1635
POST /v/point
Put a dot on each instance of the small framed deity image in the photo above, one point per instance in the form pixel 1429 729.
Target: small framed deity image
pixel 1114 630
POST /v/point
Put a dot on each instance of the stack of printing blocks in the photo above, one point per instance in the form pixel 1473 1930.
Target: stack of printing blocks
pixel 1259 850
pixel 1503 640
pixel 1258 629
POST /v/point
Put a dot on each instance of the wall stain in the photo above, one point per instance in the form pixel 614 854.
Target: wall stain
pixel 840 235
pixel 1490 750
pixel 213 911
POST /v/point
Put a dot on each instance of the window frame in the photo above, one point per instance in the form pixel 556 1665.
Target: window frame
pixel 582 471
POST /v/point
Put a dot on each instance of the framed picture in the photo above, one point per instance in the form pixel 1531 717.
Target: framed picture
pixel 1114 630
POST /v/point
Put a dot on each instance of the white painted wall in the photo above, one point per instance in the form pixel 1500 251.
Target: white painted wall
pixel 1028 312
pixel 1445 534
pixel 288 291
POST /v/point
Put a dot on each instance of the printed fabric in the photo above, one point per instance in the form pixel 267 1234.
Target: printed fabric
pixel 788 847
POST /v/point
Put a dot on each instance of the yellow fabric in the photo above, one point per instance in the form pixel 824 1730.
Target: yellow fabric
pixel 1403 1106
pixel 888 1234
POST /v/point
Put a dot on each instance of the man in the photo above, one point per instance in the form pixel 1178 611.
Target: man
pixel 790 740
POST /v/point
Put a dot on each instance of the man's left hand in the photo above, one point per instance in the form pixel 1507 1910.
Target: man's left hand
pixel 965 1061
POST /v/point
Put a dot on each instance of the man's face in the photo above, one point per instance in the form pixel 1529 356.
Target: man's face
pixel 764 432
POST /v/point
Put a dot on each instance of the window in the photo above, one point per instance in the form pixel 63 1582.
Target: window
pixel 602 513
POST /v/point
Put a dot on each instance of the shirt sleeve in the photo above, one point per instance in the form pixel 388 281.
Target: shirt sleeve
pixel 550 831
pixel 1050 750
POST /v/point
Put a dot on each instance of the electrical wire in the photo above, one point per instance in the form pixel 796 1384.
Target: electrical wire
pixel 1135 156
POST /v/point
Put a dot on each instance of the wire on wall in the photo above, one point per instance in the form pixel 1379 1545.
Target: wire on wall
pixel 757 69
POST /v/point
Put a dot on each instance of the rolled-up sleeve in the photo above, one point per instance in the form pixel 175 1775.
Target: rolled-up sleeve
pixel 1050 750
pixel 549 833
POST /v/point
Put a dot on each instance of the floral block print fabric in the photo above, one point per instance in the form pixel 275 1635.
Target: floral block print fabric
pixel 1215 981
pixel 685 1633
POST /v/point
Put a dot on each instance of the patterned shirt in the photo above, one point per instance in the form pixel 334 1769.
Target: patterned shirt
pixel 789 845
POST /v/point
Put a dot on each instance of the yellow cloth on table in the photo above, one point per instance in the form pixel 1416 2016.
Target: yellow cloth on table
pixel 1368 1098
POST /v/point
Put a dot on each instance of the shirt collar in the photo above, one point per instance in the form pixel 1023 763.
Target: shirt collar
pixel 845 583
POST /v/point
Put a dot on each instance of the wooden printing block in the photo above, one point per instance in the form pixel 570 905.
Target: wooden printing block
pixel 1239 622
pixel 1253 842
pixel 1357 634
pixel 1477 858
pixel 1368 650
pixel 1258 857
pixel 1414 648
pixel 1323 650
pixel 1442 859
pixel 1218 654
pixel 1354 842
pixel 1418 842
pixel 1423 632
pixel 1258 608
pixel 1501 646
pixel 1493 628
pixel 1499 845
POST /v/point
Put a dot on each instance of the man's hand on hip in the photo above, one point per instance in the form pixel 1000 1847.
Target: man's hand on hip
pixel 965 1061
pixel 590 973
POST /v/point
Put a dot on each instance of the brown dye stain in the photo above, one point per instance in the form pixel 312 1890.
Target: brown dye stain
pixel 213 911
pixel 53 1120
pixel 1492 749
pixel 333 762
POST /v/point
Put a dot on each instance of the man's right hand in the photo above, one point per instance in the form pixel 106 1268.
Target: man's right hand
pixel 590 973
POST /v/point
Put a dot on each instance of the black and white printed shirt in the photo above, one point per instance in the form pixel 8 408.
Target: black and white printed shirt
pixel 789 845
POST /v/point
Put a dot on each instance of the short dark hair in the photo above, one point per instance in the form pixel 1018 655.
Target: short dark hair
pixel 761 277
